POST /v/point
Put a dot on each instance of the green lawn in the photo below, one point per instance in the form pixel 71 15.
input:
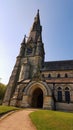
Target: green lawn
pixel 52 120
pixel 5 109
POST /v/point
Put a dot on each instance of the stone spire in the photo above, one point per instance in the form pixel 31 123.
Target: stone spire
pixel 36 29
pixel 37 18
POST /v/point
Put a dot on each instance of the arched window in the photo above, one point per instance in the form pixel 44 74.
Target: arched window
pixel 67 95
pixel 58 76
pixel 49 76
pixel 66 75
pixel 43 76
pixel 59 94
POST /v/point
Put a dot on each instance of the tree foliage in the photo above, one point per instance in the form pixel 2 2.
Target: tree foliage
pixel 2 91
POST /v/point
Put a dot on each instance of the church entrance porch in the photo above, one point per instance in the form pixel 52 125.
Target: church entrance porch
pixel 37 95
pixel 37 98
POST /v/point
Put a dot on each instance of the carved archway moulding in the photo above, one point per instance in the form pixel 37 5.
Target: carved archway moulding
pixel 34 85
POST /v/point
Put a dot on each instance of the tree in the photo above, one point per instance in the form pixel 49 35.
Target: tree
pixel 2 91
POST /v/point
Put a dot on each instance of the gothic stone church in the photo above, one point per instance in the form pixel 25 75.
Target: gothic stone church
pixel 35 83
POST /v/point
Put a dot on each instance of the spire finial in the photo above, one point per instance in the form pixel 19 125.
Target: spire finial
pixel 37 18
pixel 24 39
pixel 38 10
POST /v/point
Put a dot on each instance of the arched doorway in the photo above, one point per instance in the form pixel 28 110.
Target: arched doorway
pixel 37 98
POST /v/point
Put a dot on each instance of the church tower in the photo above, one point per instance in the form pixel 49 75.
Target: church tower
pixel 32 51
pixel 28 65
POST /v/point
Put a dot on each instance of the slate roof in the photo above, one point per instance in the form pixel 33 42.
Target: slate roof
pixel 58 65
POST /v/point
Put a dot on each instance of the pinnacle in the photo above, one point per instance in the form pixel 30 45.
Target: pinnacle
pixel 37 18
pixel 24 39
pixel 38 11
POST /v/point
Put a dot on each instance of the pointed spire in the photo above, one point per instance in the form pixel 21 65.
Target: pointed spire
pixel 24 39
pixel 36 29
pixel 37 18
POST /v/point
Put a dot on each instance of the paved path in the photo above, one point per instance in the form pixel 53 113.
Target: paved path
pixel 17 121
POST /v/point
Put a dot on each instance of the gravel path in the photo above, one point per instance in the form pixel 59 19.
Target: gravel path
pixel 18 121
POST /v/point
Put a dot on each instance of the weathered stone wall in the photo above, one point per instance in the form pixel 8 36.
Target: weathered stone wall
pixel 54 74
pixel 64 106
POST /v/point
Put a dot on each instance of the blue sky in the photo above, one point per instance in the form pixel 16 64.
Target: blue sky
pixel 16 19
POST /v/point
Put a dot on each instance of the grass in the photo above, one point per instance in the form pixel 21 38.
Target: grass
pixel 5 109
pixel 52 120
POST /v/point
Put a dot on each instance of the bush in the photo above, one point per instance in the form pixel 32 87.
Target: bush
pixel 2 92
